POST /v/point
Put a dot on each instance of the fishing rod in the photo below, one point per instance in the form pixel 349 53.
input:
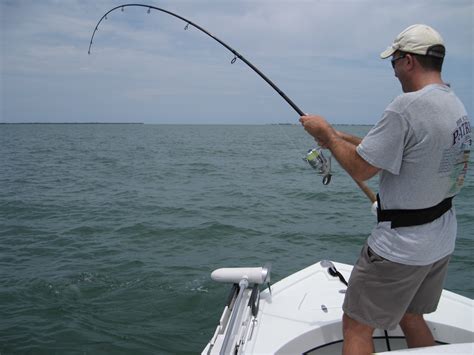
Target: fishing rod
pixel 314 157
pixel 190 23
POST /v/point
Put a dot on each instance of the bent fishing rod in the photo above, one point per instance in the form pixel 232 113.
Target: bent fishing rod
pixel 190 23
pixel 314 157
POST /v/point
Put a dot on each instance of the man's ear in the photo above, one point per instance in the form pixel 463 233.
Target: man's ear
pixel 410 61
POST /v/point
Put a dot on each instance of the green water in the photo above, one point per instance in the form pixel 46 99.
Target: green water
pixel 108 233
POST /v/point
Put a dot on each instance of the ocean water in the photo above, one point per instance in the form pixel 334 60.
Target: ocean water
pixel 109 233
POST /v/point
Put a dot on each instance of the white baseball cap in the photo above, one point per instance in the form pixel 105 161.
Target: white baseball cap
pixel 416 39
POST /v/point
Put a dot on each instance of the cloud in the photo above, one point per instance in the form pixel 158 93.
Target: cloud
pixel 323 54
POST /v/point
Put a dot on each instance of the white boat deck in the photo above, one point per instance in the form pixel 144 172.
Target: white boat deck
pixel 302 315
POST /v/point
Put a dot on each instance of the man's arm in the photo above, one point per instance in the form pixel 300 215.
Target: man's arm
pixel 342 146
pixel 346 154
pixel 349 138
pixel 346 136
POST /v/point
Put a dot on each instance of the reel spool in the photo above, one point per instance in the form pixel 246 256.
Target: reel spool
pixel 320 163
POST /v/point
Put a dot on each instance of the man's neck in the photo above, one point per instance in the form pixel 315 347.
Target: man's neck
pixel 425 79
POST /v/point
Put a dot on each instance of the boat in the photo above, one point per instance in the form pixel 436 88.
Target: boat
pixel 302 314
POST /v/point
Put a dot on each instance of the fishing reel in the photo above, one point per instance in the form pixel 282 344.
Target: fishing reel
pixel 320 163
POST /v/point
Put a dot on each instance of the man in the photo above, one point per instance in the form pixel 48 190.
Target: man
pixel 420 148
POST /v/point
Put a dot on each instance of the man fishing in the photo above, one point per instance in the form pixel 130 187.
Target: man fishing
pixel 420 148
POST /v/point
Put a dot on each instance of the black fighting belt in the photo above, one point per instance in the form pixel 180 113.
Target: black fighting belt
pixel 407 218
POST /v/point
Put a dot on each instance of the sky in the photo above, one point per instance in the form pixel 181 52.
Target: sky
pixel 324 54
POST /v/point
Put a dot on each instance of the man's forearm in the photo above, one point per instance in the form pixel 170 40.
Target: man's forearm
pixel 342 146
pixel 345 153
pixel 349 138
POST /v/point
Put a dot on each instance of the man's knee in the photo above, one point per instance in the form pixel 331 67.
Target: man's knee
pixel 357 337
pixel 411 320
pixel 416 330
pixel 350 325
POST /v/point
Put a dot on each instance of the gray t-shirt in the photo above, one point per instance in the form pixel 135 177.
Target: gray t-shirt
pixel 422 145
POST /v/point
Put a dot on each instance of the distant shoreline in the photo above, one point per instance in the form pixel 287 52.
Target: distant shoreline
pixel 171 124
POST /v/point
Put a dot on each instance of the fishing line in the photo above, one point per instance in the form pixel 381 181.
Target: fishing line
pixel 314 157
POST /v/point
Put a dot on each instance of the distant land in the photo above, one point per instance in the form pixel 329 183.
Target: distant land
pixel 167 124
pixel 333 124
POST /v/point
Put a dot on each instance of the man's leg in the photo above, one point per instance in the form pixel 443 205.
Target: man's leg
pixel 416 331
pixel 357 337
pixel 426 300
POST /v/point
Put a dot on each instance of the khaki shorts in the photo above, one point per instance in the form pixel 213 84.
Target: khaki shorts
pixel 380 291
